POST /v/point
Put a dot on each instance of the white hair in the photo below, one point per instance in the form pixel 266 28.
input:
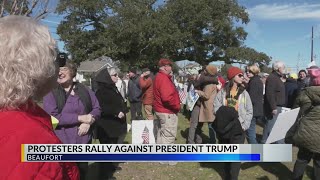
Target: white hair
pixel 277 65
pixel 27 54
pixel 112 71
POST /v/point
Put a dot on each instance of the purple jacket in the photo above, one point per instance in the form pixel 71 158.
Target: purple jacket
pixel 67 129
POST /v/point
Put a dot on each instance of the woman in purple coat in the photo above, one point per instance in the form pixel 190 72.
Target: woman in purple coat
pixel 75 106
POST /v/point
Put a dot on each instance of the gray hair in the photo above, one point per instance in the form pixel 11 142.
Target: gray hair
pixel 26 61
pixel 72 67
pixel 277 65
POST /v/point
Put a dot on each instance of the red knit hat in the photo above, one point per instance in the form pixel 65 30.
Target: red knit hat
pixel 163 62
pixel 233 71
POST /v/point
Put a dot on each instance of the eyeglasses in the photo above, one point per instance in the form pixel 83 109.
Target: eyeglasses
pixel 240 75
pixel 115 75
pixel 64 69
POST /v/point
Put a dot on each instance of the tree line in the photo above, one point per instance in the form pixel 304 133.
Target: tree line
pixel 139 32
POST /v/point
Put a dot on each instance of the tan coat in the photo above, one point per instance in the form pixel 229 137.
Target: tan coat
pixel 207 97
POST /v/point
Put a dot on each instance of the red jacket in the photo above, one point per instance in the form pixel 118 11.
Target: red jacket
pixel 147 90
pixel 166 97
pixel 29 126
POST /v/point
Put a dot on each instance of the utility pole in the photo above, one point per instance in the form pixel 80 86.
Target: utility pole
pixel 312 45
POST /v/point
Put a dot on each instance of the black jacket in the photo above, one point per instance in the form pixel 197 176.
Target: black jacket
pixel 275 94
pixel 291 92
pixel 255 90
pixel 227 124
pixel 111 103
pixel 134 90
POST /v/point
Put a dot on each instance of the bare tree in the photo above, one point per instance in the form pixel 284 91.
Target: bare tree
pixel 37 9
pixel 2 8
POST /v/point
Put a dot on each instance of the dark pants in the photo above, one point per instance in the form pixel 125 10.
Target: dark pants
pixel 136 110
pixel 251 132
pixel 212 134
pixel 195 131
pixel 303 159
pixel 105 168
pixel 83 169
pixel 232 169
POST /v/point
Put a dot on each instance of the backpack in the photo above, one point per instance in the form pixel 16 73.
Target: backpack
pixel 61 97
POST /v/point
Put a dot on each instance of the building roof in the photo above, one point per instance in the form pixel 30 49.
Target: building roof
pixel 96 64
pixel 192 65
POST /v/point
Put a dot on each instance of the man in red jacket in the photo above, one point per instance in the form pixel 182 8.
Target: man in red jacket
pixel 166 103
pixel 147 92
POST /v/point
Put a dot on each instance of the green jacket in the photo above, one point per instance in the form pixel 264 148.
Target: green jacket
pixel 308 132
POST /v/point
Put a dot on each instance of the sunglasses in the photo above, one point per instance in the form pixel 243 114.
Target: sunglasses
pixel 240 75
pixel 115 75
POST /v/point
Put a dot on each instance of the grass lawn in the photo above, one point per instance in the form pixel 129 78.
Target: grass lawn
pixel 192 171
pixel 200 171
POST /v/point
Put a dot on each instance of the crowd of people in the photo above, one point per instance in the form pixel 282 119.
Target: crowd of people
pixel 231 108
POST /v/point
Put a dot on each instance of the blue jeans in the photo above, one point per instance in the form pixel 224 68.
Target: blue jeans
pixel 212 134
pixel 267 130
pixel 251 132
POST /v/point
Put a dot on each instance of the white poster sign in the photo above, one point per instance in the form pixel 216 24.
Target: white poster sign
pixel 143 132
pixel 283 123
pixel 192 98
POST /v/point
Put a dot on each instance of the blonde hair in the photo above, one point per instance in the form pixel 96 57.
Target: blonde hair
pixel 27 54
pixel 254 69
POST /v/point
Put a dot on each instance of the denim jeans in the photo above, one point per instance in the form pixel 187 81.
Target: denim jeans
pixel 267 130
pixel 212 134
pixel 251 132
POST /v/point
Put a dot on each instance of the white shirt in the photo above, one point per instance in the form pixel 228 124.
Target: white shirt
pixel 119 85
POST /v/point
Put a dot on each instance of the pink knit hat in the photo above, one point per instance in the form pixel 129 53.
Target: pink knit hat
pixel 314 73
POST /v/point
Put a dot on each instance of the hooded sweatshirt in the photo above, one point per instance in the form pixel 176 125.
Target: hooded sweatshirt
pixel 111 103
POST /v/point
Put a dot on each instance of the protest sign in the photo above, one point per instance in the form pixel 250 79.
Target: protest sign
pixel 192 98
pixel 143 132
pixel 283 123
pixel 183 93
